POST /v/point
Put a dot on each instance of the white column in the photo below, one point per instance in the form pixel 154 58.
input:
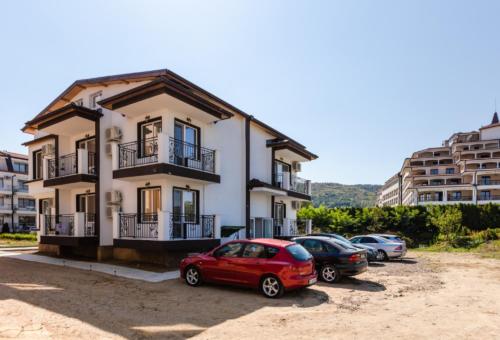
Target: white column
pixel 474 194
pixel 286 181
pixel 116 224
pixel 45 170
pixel 308 226
pixel 163 148
pixel 83 161
pixel 163 225
pixel 41 225
pixel 217 227
pixel 445 196
pixel 115 155
pixel 308 187
pixel 79 224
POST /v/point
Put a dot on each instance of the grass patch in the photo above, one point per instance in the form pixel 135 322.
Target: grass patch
pixel 489 249
pixel 17 240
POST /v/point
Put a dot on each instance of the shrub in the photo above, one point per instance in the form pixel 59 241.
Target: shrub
pixel 18 237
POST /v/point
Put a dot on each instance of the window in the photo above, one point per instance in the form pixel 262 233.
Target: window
pixel 85 203
pixel 280 169
pixel 37 164
pixel 298 252
pixel 27 221
pixel 94 99
pixel 271 252
pixel 148 137
pixel 20 167
pixel 313 246
pixel 368 240
pixel 253 250
pixel 26 203
pixel 149 201
pixel 229 250
pixel 434 171
pixel 485 195
pixel 450 171
pixel 187 142
pixel 185 202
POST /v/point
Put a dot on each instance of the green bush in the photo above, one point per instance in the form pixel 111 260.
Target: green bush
pixel 18 237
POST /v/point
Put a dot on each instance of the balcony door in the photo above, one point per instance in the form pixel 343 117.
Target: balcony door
pixel 185 213
pixel 186 143
pixel 279 217
pixel 148 137
pixel 149 204
pixel 89 145
pixel 85 203
pixel 279 169
pixel 45 209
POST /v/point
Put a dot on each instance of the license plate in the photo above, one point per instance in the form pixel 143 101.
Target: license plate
pixel 313 281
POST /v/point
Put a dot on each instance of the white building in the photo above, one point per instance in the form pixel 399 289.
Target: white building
pixel 390 193
pixel 148 166
pixel 17 207
pixel 465 169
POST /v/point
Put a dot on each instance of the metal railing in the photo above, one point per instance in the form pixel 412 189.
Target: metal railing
pixel 63 224
pixel 27 207
pixel 138 225
pixel 429 199
pixel 62 166
pixel 296 184
pixel 278 226
pixel 488 182
pixel 289 227
pixel 89 228
pixel 91 163
pixel 299 185
pixel 144 151
pixel 489 198
pixel 192 226
pixel 460 199
pixel 191 155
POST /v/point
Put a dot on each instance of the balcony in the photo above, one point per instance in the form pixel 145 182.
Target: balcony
pixel 69 229
pixel 165 155
pixel 290 227
pixel 488 182
pixel 167 231
pixel 70 169
pixel 289 182
pixel 460 198
pixel 489 198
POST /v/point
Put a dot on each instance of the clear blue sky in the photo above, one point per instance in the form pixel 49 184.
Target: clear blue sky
pixel 362 83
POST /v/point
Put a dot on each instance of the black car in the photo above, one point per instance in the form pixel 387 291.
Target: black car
pixel 334 260
pixel 372 253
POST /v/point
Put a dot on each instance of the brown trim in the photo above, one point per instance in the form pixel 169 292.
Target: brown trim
pixel 56 199
pixel 299 195
pixel 34 165
pixel 71 241
pixel 70 179
pixel 278 144
pixel 165 168
pixel 174 245
pixel 255 183
pixel 38 140
pixel 164 85
pixel 69 111
pixel 34 180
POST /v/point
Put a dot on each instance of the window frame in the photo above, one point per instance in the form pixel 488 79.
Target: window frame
pixel 37 167
pixel 140 205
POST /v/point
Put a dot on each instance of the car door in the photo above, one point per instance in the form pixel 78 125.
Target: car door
pixel 251 264
pixel 317 250
pixel 225 266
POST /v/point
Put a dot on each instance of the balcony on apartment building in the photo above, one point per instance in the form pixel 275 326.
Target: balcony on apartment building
pixel 69 229
pixel 488 180
pixel 70 169
pixel 486 196
pixel 165 155
pixel 292 182
pixel 166 230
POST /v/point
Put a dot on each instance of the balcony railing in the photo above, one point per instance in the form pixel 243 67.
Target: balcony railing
pixel 180 153
pixel 488 182
pixel 489 198
pixel 294 183
pixel 430 199
pixel 460 199
pixel 27 207
pixel 89 224
pixel 192 226
pixel 191 155
pixel 291 227
pixel 138 225
pixel 62 225
pixel 68 165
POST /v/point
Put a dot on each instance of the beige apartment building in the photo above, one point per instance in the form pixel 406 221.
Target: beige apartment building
pixel 465 169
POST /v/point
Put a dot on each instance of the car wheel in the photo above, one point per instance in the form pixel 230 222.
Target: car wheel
pixel 330 274
pixel 193 276
pixel 382 256
pixel 271 287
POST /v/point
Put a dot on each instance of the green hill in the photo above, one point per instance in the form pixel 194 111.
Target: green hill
pixel 340 195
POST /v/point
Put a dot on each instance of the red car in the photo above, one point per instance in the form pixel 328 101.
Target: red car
pixel 273 266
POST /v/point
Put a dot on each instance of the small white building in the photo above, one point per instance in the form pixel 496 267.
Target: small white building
pixel 148 166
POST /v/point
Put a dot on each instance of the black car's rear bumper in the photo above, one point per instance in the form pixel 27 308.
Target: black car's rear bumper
pixel 352 269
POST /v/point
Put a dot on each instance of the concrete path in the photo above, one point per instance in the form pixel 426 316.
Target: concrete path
pixel 129 273
pixel 17 248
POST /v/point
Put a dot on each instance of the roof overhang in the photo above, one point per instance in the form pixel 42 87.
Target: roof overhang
pixel 168 86
pixel 286 144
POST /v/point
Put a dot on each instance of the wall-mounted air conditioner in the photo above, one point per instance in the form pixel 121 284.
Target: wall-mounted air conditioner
pixel 296 205
pixel 113 197
pixel 48 149
pixel 113 134
pixel 297 166
pixel 108 149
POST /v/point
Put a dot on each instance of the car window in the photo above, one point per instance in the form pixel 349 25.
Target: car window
pixel 271 252
pixel 254 250
pixel 355 240
pixel 330 248
pixel 368 240
pixel 313 246
pixel 344 245
pixel 298 252
pixel 229 250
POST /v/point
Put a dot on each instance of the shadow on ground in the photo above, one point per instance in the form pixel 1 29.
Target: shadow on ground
pixel 135 309
pixel 352 283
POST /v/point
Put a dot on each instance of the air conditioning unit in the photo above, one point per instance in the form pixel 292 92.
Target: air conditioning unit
pixel 113 197
pixel 297 167
pixel 296 205
pixel 113 134
pixel 109 211
pixel 108 149
pixel 48 149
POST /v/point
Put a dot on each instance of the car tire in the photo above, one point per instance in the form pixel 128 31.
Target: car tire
pixel 382 256
pixel 271 287
pixel 330 274
pixel 193 276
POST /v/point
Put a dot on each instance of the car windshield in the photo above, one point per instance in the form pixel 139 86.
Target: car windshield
pixel 298 252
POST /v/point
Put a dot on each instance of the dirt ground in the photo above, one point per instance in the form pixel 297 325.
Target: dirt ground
pixel 426 295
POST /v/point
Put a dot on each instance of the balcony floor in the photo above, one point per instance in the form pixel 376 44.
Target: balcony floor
pixel 165 169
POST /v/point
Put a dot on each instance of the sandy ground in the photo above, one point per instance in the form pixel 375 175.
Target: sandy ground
pixel 427 295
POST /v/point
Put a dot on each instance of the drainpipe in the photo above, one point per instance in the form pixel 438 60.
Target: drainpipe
pixel 12 201
pixel 247 174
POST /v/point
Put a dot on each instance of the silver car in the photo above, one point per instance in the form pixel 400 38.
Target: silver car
pixel 386 249
pixel 391 237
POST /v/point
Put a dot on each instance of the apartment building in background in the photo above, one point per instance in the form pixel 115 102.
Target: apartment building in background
pixel 465 169
pixel 17 207
pixel 149 166
pixel 390 194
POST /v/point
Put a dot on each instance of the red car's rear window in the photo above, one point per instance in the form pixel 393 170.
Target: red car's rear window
pixel 298 252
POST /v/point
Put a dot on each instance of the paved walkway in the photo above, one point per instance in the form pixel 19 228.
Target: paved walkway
pixel 129 273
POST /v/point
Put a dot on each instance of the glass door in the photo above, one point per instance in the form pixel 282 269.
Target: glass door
pixel 148 138
pixel 185 214
pixel 279 217
pixel 89 145
pixel 280 168
pixel 186 143
pixel 150 204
